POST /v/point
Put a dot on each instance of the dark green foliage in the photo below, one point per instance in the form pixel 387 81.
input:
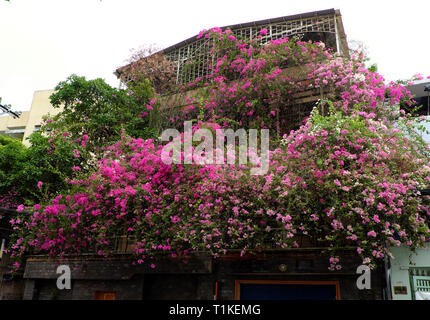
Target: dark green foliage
pixel 49 160
pixel 12 155
pixel 101 111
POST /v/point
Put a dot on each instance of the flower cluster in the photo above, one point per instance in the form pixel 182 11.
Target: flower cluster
pixel 260 85
pixel 9 200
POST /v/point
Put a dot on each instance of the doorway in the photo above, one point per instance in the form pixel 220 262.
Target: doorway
pixel 286 290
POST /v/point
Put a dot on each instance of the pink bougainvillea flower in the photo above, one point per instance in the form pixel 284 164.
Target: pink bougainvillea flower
pixel 371 234
pixel 263 32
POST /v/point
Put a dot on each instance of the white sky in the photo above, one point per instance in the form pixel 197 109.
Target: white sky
pixel 42 42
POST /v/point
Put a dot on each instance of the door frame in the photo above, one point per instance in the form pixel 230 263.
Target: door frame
pixel 237 284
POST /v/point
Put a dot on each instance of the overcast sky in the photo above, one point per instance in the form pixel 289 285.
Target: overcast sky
pixel 42 42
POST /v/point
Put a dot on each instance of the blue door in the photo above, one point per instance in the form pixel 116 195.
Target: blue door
pixel 287 291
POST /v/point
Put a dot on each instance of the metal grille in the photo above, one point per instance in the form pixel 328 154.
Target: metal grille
pixel 421 284
pixel 193 60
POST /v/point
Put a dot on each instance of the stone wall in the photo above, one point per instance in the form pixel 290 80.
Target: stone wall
pixel 194 280
pixel 11 288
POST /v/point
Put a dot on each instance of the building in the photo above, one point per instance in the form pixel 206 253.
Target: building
pixel 295 273
pixel 191 59
pixel 422 98
pixel 29 121
pixel 325 26
pixel 408 274
pixel 14 127
pixel 300 274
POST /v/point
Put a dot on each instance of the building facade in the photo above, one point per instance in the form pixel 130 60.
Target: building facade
pixel 300 274
pixel 279 274
pixel 289 274
pixel 408 274
pixel 29 121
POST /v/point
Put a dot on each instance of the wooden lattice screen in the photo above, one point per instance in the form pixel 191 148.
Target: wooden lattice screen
pixel 197 50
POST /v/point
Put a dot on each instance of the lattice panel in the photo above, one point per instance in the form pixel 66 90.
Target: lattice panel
pixel 198 51
pixel 289 28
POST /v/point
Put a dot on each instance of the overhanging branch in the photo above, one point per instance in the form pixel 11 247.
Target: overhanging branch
pixel 7 109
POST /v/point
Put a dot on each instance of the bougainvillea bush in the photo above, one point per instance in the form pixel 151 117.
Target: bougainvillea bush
pixel 349 176
pixel 255 84
pixel 355 181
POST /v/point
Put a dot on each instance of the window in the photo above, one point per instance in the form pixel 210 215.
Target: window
pixel 105 295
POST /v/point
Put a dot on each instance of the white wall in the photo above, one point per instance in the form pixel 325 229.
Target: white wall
pixel 405 259
pixel 426 136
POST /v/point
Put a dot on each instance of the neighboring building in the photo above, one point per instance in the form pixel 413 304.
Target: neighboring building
pixel 29 121
pixel 422 98
pixel 408 274
pixel 14 127
pixel 40 106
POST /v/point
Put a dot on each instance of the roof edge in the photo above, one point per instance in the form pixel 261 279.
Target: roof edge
pixel 332 11
pixel 257 23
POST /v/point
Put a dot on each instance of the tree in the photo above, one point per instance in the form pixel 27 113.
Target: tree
pixel 151 64
pixel 12 154
pixel 102 112
pixel 40 171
